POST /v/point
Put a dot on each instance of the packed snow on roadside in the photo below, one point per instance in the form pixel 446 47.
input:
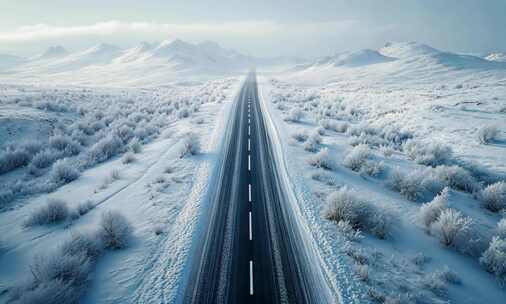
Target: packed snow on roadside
pixel 399 171
pixel 100 188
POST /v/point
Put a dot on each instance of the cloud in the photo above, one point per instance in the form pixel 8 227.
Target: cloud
pixel 110 28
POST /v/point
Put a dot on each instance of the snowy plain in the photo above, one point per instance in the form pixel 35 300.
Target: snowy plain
pixel 350 124
pixel 139 131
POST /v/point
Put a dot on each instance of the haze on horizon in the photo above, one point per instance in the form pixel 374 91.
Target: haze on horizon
pixel 263 28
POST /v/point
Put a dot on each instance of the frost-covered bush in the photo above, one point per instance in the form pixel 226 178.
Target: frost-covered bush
pixel 11 159
pixel 104 149
pixel 493 197
pixel 360 159
pixel 65 144
pixel 348 231
pixel 53 211
pixel 456 177
pixel 63 172
pixel 451 226
pixel 487 134
pixel 494 258
pixel 323 177
pixel 429 154
pixel 115 231
pixel 128 158
pixel 438 281
pixel 6 196
pixel 85 207
pixel 45 158
pixel 295 115
pixel 300 136
pixel 135 145
pixel 345 205
pixel 82 244
pixel 357 157
pixel 190 145
pixel 337 126
pixel 429 212
pixel 313 142
pixel 412 185
pixel 51 106
pixel 322 159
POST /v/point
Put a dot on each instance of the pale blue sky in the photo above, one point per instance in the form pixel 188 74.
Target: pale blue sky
pixel 261 27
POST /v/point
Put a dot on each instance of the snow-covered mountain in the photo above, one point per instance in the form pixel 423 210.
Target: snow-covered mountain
pixel 145 63
pixel 396 62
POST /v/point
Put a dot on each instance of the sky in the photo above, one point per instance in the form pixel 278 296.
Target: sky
pixel 264 28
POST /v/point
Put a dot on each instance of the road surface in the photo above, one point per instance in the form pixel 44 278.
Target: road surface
pixel 251 252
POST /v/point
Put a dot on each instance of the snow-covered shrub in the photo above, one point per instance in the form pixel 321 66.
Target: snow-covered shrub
pixel 387 151
pixel 494 258
pixel 493 197
pixel 135 145
pixel 11 159
pixel 322 159
pixel 115 231
pixel 190 145
pixel 65 144
pixel 501 228
pixel 313 141
pixel 45 158
pixel 53 211
pixel 323 177
pixel 320 131
pixel 345 205
pixel 429 154
pixel 6 196
pixel 410 185
pixel 295 115
pixel 300 136
pixel 362 272
pixel 56 278
pixel 435 284
pixel 348 232
pixel 63 172
pixel 85 207
pixel 456 177
pixel 429 212
pixel 86 245
pixel 128 158
pixel 357 157
pixel 450 226
pixel 183 113
pixel 51 106
pixel 487 134
pixel 104 149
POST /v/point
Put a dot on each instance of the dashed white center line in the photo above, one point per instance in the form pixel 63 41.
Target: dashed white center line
pixel 249 121
pixel 249 162
pixel 249 193
pixel 250 230
pixel 251 277
pixel 249 130
pixel 249 144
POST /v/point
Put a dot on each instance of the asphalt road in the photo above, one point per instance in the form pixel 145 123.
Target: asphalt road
pixel 251 252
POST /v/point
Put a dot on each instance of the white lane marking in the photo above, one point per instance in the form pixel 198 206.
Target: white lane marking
pixel 249 121
pixel 250 230
pixel 251 277
pixel 249 193
pixel 249 130
pixel 249 162
pixel 249 144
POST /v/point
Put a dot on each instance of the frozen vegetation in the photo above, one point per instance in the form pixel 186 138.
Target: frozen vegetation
pixel 409 171
pixel 96 180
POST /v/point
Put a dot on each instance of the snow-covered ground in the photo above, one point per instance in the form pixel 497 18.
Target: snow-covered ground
pixel 386 131
pixel 146 153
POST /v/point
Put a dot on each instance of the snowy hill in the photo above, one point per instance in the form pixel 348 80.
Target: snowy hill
pixel 355 59
pixel 396 62
pixel 52 52
pixel 144 64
